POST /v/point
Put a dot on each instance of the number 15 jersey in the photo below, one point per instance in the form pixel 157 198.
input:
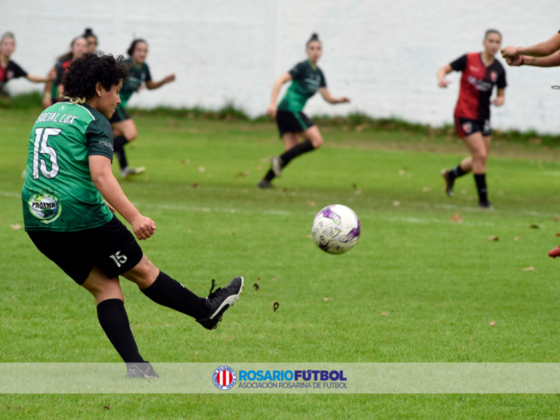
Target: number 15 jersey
pixel 58 193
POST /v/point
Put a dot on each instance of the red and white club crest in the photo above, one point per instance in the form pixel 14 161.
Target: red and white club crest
pixel 467 127
pixel 224 378
pixel 493 76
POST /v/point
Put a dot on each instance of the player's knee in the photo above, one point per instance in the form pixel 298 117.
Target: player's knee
pixel 317 142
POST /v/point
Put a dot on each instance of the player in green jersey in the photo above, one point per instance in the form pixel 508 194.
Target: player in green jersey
pixel 53 90
pixel 68 177
pixel 124 128
pixel 292 123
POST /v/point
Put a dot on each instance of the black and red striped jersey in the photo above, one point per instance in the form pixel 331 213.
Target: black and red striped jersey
pixel 477 83
pixel 11 71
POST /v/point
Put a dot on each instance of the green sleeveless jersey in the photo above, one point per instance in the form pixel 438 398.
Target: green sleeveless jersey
pixel 306 81
pixel 58 193
pixel 138 75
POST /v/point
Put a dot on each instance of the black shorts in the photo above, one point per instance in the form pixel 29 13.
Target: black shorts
pixel 466 127
pixel 110 247
pixel 292 122
pixel 119 115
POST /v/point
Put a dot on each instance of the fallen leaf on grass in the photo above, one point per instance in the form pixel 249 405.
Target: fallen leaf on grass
pixel 535 226
pixel 310 203
pixel 195 185
pixel 456 218
pixel 16 227
pixel 201 169
pixel 242 174
pixel 516 238
pixel 493 238
pixel 259 168
pixel 557 217
pixel 383 313
pixel 186 161
pixel 396 203
pixel 310 236
pixel 558 234
pixel 463 191
pixel 528 269
pixel 401 172
pixel 256 286
pixel 358 191
pixel 275 306
pixel 325 299
pixel 426 189
pixel 107 407
pixel 273 278
pixel 258 279
pixel 492 323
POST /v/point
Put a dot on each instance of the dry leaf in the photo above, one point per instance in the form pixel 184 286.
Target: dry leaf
pixel 232 233
pixel 456 218
pixel 492 323
pixel 358 191
pixel 325 299
pixel 186 161
pixel 557 217
pixel 310 203
pixel 516 238
pixel 383 313
pixel 275 306
pixel 426 189
pixel 528 269
pixel 259 168
pixel 195 185
pixel 493 238
pixel 16 227
pixel 273 278
pixel 310 236
pixel 256 286
pixel 106 407
pixel 401 172
pixel 396 203
pixel 463 191
pixel 535 226
pixel 258 279
pixel 201 169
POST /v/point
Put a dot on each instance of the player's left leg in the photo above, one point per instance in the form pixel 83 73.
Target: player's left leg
pixel 114 321
pixel 312 140
pixel 165 291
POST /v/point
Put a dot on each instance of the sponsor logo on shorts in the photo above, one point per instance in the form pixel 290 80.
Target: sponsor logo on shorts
pixel 486 126
pixel 224 378
pixel 467 127
pixel 45 207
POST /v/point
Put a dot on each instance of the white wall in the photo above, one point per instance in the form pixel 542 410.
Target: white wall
pixel 383 55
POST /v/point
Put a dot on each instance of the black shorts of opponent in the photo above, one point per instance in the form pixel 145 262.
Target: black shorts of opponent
pixel 110 247
pixel 292 122
pixel 466 127
pixel 119 115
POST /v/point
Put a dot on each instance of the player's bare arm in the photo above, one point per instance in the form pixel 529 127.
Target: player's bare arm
pixel 331 99
pixel 542 49
pixel 444 71
pixel 272 108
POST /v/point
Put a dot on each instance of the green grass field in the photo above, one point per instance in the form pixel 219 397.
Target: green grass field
pixel 439 283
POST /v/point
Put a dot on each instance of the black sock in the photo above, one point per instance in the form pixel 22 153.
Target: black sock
pixel 456 173
pixel 118 146
pixel 114 321
pixel 480 180
pixel 270 175
pixel 174 295
pixel 294 152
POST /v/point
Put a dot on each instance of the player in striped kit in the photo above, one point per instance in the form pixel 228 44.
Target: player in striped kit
pixel 481 73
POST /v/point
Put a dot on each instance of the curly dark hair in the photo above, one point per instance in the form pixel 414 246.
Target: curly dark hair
pixel 84 73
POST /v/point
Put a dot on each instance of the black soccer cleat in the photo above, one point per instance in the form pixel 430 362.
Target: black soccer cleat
pixel 485 206
pixel 140 371
pixel 264 184
pixel 276 165
pixel 219 301
pixel 448 183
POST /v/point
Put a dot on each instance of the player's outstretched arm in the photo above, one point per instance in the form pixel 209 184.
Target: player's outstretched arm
pixel 444 71
pixel 543 49
pixel 108 186
pixel 286 77
pixel 331 99
pixel 38 79
pixel 154 85
pixel 550 61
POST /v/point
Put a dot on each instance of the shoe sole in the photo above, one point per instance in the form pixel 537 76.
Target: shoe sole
pixel 275 166
pixel 139 171
pixel 448 191
pixel 230 301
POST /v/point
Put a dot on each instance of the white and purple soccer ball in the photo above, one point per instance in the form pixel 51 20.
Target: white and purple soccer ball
pixel 336 229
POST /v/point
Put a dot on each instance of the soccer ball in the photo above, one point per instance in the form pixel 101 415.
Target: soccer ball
pixel 336 229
